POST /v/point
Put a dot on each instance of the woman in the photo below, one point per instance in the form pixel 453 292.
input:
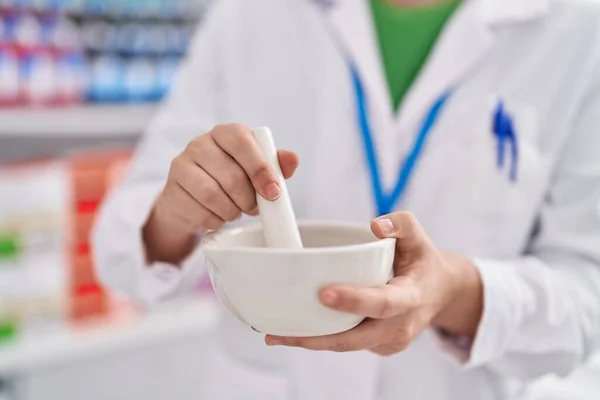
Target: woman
pixel 490 107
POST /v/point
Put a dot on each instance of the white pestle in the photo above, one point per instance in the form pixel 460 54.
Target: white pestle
pixel 278 219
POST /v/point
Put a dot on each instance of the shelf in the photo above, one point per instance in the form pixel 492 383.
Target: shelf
pixel 76 122
pixel 66 344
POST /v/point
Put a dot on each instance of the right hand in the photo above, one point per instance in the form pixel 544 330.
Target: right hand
pixel 216 178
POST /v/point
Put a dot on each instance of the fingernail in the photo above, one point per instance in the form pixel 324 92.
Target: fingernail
pixel 272 191
pixel 330 298
pixel 386 226
pixel 276 342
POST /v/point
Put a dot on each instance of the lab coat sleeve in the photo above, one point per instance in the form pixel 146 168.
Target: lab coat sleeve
pixel 542 312
pixel 191 109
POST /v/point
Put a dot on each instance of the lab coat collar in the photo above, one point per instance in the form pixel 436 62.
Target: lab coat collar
pixel 493 11
pixel 467 38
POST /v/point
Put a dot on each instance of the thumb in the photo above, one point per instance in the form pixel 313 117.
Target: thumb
pixel 288 161
pixel 404 227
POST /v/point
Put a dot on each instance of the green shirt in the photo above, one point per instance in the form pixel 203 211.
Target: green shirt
pixel 406 37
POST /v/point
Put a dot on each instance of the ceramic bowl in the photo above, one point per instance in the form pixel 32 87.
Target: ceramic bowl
pixel 275 291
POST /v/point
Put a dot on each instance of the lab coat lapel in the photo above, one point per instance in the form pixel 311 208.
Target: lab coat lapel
pixel 464 43
pixel 354 30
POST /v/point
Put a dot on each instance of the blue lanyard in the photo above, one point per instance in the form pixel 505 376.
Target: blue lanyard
pixel 386 202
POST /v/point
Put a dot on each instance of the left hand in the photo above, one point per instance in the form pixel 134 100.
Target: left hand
pixel 430 287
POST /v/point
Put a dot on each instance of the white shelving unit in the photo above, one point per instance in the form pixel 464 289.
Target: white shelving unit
pixel 76 122
pixel 69 344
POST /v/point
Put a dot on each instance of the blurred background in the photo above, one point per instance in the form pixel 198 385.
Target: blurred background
pixel 79 81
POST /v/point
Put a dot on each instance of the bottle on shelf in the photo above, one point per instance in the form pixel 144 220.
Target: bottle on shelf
pixel 74 7
pixel 10 77
pixel 133 39
pixel 140 80
pixel 99 36
pixel 24 30
pixel 71 77
pixel 106 80
pixel 157 40
pixel 38 76
pixel 60 33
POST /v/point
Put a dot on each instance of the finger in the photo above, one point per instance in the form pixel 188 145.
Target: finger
pixel 288 161
pixel 404 227
pixel 387 350
pixel 381 302
pixel 237 141
pixel 190 210
pixel 202 187
pixel 225 171
pixel 367 335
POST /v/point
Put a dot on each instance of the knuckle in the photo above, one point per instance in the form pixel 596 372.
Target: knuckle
pixel 407 220
pixel 236 135
pixel 354 303
pixel 212 223
pixel 239 128
pixel 169 199
pixel 390 352
pixel 402 339
pixel 241 140
pixel 209 192
pixel 292 342
pixel 197 145
pixel 247 204
pixel 402 347
pixel 178 164
pixel 261 169
pixel 188 210
pixel 415 297
pixel 231 212
pixel 234 181
pixel 219 130
pixel 203 218
pixel 340 346
pixel 387 308
pixel 233 215
pixel 384 351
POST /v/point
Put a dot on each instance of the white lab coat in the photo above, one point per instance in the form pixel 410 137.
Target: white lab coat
pixel 536 243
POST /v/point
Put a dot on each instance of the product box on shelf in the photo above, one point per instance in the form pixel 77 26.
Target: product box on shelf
pixel 92 176
pixel 33 230
pixel 47 212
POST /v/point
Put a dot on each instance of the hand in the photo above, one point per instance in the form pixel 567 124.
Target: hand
pixel 213 181
pixel 430 287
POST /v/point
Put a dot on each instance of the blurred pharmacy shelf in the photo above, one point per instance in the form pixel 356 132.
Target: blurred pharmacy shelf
pixel 77 122
pixel 69 344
